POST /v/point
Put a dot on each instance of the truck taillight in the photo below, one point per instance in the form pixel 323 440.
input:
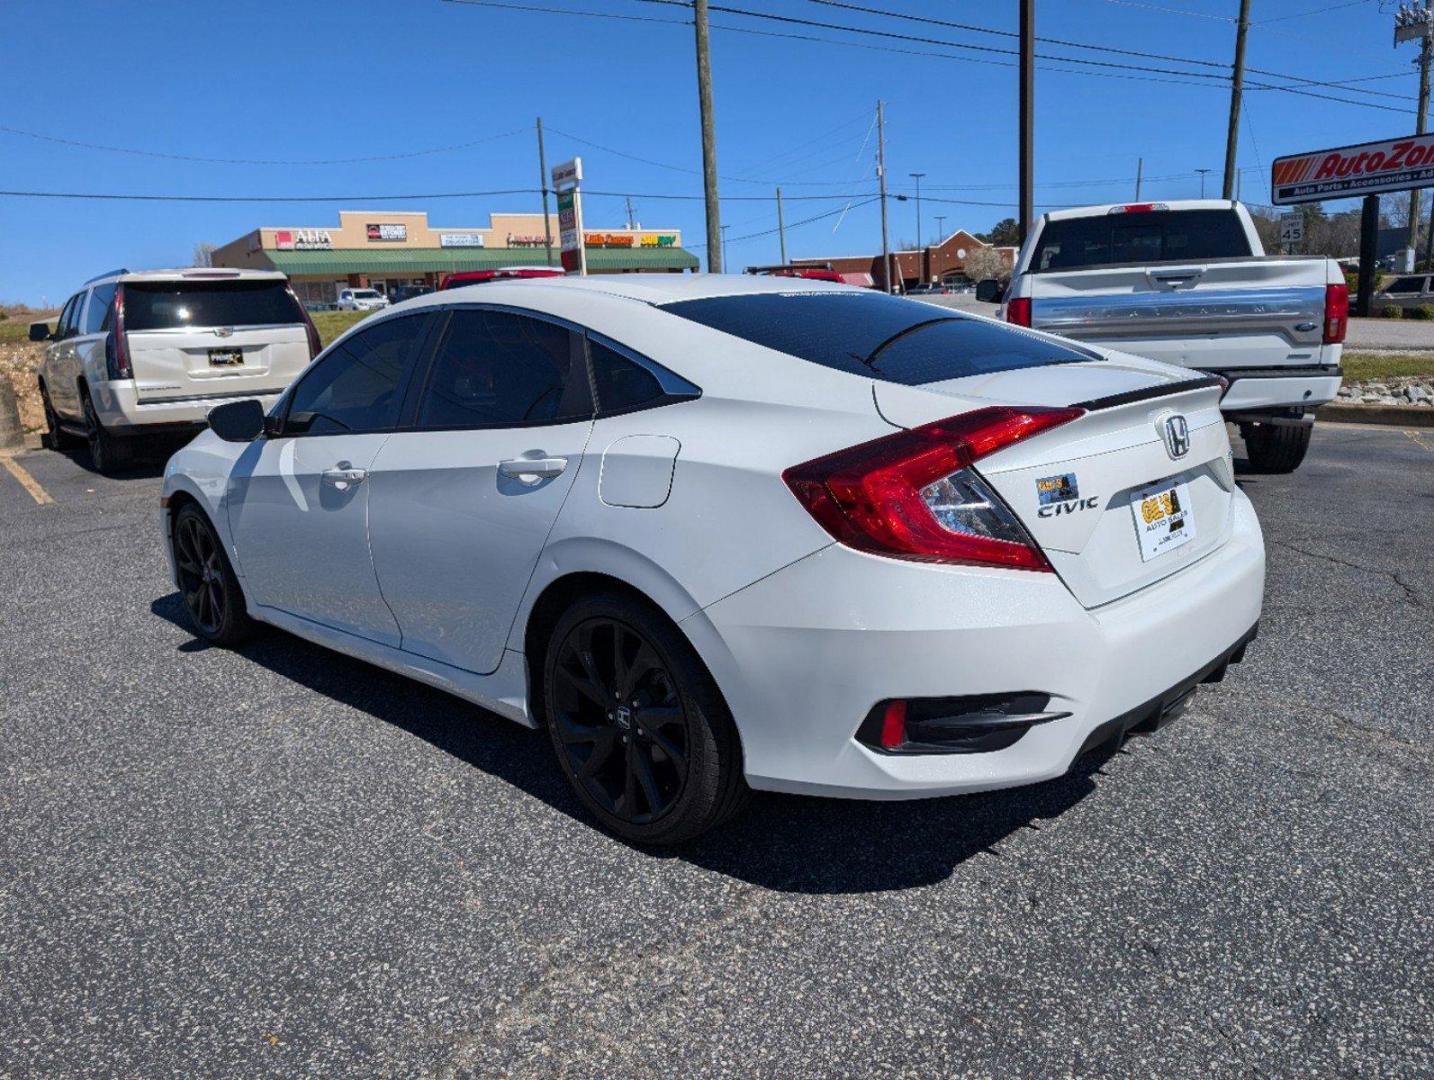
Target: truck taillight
pixel 117 365
pixel 316 345
pixel 1336 313
pixel 1018 311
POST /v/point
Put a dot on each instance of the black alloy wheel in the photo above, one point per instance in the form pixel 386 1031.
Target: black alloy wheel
pixel 107 454
pixel 619 720
pixel 639 726
pixel 56 437
pixel 206 581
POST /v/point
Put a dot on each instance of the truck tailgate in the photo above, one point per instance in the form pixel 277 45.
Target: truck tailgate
pixel 1250 312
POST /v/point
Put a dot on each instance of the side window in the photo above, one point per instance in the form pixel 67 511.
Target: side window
pixel 623 384
pixel 359 386
pixel 97 315
pixel 1406 285
pixel 68 317
pixel 497 369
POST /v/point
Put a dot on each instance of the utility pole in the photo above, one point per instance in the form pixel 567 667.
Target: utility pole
pixel 1139 172
pixel 1202 173
pixel 628 200
pixel 724 242
pixel 543 186
pixel 1237 89
pixel 709 139
pixel 1028 109
pixel 920 251
pixel 1416 23
pixel 940 227
pixel 781 229
pixel 881 183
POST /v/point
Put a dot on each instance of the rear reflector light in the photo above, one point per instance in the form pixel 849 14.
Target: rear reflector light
pixel 893 725
pixel 912 495
pixel 117 365
pixel 1018 311
pixel 1336 313
pixel 975 724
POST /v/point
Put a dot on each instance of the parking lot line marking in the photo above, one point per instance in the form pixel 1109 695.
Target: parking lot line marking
pixel 28 482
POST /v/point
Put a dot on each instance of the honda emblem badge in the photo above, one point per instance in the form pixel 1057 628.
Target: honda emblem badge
pixel 1176 433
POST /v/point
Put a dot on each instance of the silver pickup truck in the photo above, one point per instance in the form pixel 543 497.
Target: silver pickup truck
pixel 1189 283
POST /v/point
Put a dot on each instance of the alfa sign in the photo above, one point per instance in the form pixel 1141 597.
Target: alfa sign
pixel 1366 169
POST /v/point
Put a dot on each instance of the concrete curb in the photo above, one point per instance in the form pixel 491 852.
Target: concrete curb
pixel 1392 415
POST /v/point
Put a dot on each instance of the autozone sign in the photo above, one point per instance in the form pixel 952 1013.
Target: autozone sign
pixel 1366 169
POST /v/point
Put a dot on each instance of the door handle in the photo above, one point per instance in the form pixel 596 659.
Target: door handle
pixel 343 476
pixel 532 470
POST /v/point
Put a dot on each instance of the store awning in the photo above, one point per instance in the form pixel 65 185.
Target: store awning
pixel 344 261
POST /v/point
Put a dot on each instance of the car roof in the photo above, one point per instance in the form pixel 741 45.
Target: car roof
pixel 658 288
pixel 190 273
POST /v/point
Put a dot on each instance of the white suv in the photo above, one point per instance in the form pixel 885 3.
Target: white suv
pixel 361 300
pixel 151 353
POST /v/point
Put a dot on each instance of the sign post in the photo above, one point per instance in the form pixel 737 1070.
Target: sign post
pixel 567 182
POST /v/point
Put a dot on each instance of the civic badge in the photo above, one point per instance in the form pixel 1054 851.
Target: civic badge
pixel 1176 433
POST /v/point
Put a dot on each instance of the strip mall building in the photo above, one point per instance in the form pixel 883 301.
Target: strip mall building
pixel 389 250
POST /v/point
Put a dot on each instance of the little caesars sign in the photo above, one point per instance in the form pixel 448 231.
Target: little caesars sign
pixel 1366 169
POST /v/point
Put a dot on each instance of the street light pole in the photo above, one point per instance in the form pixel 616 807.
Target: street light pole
pixel 920 251
pixel 1202 173
pixel 940 228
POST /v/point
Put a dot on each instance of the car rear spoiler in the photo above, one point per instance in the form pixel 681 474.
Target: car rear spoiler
pixel 1146 393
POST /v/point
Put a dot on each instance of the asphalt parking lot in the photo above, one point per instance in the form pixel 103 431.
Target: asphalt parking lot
pixel 280 862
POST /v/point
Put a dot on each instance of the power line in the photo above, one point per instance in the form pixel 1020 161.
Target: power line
pixel 107 196
pixel 795 224
pixel 256 161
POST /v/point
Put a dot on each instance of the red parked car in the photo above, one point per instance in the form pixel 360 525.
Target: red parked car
pixel 482 277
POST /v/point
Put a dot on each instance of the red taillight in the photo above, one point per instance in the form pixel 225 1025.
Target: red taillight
pixel 117 345
pixel 911 495
pixel 1018 311
pixel 316 344
pixel 1336 313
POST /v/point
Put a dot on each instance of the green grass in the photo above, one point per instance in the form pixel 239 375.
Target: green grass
pixel 333 323
pixel 1360 366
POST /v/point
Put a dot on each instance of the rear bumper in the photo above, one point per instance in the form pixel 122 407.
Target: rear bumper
pixel 1273 388
pixel 122 413
pixel 803 655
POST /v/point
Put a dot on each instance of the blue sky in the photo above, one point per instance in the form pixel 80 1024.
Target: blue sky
pixel 302 80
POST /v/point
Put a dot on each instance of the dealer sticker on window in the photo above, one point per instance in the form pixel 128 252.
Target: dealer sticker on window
pixel 1164 518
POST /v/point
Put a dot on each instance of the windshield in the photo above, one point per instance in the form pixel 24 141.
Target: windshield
pixel 1150 237
pixel 168 305
pixel 365 294
pixel 876 335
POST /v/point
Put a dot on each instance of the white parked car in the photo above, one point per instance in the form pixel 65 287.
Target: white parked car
pixel 718 533
pixel 361 300
pixel 138 354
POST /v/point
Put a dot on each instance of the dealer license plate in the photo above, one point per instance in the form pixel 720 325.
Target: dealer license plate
pixel 1164 518
pixel 226 357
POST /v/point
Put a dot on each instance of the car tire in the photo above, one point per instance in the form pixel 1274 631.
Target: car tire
pixel 108 454
pixel 1276 448
pixel 638 725
pixel 55 437
pixel 207 583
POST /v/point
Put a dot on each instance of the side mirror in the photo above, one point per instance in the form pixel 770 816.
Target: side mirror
pixel 238 421
pixel 39 331
pixel 990 291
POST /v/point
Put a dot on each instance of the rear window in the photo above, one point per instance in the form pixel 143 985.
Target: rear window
pixel 1152 237
pixel 875 335
pixel 167 305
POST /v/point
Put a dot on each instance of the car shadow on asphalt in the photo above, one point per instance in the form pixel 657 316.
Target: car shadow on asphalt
pixel 147 467
pixel 786 843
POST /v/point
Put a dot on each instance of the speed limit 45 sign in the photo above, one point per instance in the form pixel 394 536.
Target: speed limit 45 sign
pixel 1292 228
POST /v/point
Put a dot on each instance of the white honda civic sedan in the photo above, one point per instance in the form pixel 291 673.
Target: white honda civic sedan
pixel 723 533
